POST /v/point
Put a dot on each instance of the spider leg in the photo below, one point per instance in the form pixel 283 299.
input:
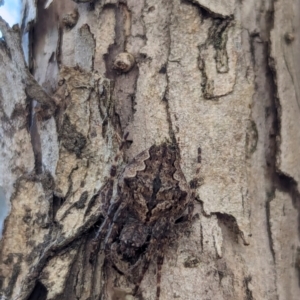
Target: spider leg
pixel 102 232
pixel 160 232
pixel 115 227
pixel 114 258
pixel 188 217
pixel 110 244
pixel 147 259
pixel 96 241
pixel 159 262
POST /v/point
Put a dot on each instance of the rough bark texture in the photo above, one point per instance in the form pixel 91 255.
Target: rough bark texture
pixel 217 79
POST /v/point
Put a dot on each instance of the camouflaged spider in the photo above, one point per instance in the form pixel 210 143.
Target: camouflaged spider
pixel 150 197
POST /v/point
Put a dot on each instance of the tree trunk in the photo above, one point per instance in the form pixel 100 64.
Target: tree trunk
pixel 209 90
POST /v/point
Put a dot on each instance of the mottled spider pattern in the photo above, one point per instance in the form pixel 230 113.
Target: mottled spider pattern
pixel 151 197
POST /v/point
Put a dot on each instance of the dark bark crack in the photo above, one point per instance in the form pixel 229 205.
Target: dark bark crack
pixel 276 179
pixel 218 38
pixel 164 70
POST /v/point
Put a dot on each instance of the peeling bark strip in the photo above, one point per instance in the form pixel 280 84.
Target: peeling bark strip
pixel 216 80
pixel 34 91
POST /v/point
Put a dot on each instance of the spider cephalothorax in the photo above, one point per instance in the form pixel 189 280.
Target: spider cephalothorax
pixel 152 194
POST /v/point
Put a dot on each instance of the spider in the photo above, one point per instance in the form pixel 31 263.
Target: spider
pixel 151 196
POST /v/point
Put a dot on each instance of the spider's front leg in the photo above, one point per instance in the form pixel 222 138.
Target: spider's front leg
pixel 96 241
pixel 104 228
pixel 117 217
pixel 106 194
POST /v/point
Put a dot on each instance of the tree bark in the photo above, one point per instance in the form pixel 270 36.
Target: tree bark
pixel 218 80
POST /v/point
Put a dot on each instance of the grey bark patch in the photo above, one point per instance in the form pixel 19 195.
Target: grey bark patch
pixel 247 282
pixel 191 262
pixel 219 34
pixel 57 202
pixel 231 224
pixel 39 292
pixel 218 40
pixel 81 203
pixel 19 111
pixel 221 9
pixel 13 279
pixel 70 19
pixel 3 209
pixel 85 48
pixel 47 181
pixel 251 138
pixel 71 139
pixel 124 62
pixel 297 261
pixel 83 1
